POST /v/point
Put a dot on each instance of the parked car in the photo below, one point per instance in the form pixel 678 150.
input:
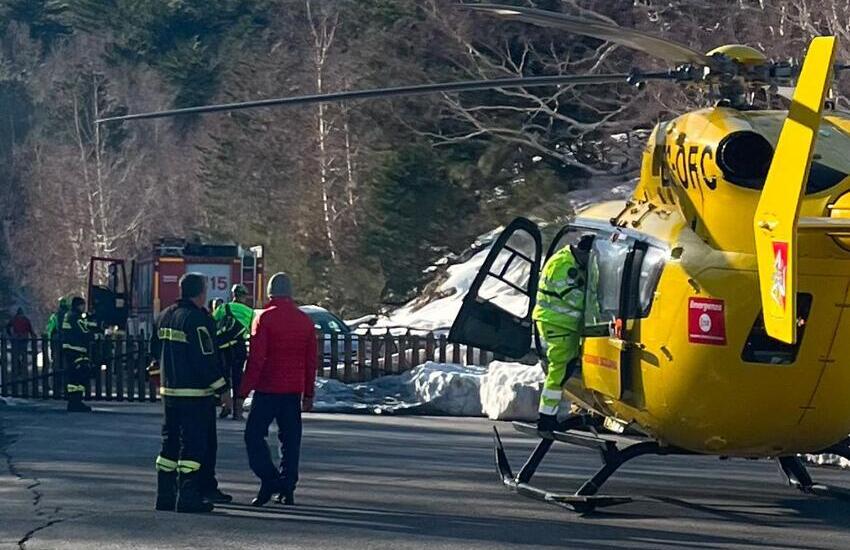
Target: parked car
pixel 331 327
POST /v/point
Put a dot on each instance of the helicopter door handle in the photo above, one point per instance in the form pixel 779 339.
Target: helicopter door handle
pixel 769 226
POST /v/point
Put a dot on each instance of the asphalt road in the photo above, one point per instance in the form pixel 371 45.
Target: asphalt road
pixel 383 482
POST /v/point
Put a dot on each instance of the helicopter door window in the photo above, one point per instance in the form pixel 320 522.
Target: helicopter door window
pixel 605 270
pixel 506 287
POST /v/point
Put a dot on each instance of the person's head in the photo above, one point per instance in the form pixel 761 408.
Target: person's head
pixel 239 293
pixel 64 303
pixel 20 311
pixel 280 286
pixel 193 287
pixel 581 250
pixel 214 303
pixel 78 304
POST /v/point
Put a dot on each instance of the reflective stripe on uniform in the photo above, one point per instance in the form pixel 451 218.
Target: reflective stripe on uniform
pixel 185 392
pixel 228 344
pixel 548 409
pixel 75 348
pixel 172 335
pixel 205 341
pixel 551 394
pixel 218 384
pixel 79 360
pixel 74 388
pixel 165 464
pixel 188 466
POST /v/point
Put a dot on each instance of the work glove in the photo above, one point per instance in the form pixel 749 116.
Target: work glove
pixel 547 423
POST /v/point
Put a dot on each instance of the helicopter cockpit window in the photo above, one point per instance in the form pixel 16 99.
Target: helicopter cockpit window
pixel 650 274
pixel 605 269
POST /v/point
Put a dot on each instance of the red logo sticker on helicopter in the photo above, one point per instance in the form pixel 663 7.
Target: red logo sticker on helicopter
pixel 707 321
pixel 779 289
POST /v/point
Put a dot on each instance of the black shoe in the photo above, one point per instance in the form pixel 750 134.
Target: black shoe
pixel 78 407
pixel 265 494
pixel 288 498
pixel 225 412
pixel 547 423
pixel 217 497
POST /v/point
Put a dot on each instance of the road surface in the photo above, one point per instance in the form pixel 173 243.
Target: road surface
pixel 369 482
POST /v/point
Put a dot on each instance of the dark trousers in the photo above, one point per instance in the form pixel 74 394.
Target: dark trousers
pixel 186 435
pixel 285 409
pixel 77 367
pixel 234 360
pixel 208 482
pixel 19 359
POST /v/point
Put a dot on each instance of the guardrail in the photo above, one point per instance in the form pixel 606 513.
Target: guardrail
pixel 33 368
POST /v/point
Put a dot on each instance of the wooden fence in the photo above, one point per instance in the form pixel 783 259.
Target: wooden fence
pixel 33 368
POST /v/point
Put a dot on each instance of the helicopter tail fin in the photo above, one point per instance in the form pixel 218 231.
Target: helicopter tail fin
pixel 778 210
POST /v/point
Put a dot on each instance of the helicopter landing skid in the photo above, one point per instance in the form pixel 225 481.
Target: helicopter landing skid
pixel 797 475
pixel 584 500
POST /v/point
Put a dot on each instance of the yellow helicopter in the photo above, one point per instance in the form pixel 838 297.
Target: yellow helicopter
pixel 717 294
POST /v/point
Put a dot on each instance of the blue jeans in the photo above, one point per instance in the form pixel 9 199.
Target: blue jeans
pixel 285 409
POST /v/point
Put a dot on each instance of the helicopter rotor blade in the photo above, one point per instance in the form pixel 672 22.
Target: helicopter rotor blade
pixel 406 91
pixel 667 50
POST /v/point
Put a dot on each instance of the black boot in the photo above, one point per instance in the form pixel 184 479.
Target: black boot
pixel 166 491
pixel 189 500
pixel 265 494
pixel 286 497
pixel 75 403
pixel 217 497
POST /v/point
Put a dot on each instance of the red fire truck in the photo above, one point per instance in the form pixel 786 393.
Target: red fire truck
pixel 156 274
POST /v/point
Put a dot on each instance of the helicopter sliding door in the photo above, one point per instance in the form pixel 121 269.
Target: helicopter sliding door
pixel 608 305
pixel 496 312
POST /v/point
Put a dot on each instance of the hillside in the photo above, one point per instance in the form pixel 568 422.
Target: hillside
pixel 355 200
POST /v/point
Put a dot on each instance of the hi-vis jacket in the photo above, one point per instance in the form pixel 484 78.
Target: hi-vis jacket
pixel 560 296
pixel 183 345
pixel 233 322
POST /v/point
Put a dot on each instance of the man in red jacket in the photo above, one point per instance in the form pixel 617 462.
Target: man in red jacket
pixel 281 371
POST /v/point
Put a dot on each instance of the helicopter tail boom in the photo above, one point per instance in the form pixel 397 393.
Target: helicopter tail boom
pixel 777 218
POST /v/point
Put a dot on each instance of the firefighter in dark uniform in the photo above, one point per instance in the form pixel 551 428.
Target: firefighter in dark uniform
pixel 77 334
pixel 183 345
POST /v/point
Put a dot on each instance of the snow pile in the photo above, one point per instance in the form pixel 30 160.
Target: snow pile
pixel 501 391
pixel 828 460
pixel 511 391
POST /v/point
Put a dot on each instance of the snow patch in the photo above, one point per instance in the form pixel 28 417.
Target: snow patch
pixel 511 391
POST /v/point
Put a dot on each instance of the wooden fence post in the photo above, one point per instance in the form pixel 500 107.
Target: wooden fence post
pixel 4 369
pixel 361 357
pixel 456 354
pixel 389 350
pixel 348 350
pixel 334 340
pixel 470 355
pixel 56 364
pixel 35 377
pixel 320 342
pixel 98 358
pixel 45 368
pixel 429 347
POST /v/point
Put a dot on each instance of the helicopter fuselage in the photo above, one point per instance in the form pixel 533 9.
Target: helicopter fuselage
pixel 693 367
